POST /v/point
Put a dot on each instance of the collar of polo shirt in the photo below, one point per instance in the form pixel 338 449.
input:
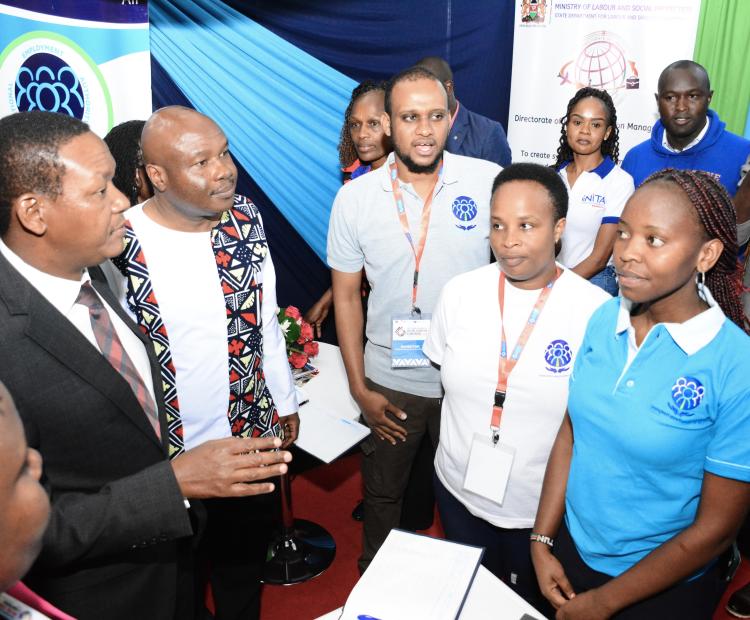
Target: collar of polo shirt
pixel 692 335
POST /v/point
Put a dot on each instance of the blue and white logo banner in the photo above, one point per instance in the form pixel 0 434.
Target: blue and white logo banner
pixel 90 60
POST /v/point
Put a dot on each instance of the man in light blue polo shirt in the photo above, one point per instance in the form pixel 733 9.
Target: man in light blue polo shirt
pixel 445 196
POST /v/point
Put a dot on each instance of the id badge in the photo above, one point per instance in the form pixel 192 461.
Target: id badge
pixel 408 333
pixel 488 469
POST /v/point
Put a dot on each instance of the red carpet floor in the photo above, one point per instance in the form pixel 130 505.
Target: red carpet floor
pixel 327 495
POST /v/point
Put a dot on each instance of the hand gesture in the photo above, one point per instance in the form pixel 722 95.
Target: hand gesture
pixel 553 583
pixel 290 426
pixel 317 314
pixel 230 467
pixel 379 414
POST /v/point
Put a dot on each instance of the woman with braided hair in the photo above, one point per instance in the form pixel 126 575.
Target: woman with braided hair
pixel 597 187
pixel 363 147
pixel 649 477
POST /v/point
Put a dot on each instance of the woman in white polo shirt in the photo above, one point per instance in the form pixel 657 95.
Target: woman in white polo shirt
pixel 598 188
pixel 466 338
pixel 649 478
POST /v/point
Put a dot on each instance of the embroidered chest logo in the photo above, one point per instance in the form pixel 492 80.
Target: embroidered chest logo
pixel 594 200
pixel 558 356
pixel 687 394
pixel 465 210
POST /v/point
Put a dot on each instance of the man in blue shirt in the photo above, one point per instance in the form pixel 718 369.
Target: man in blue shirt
pixel 471 134
pixel 688 135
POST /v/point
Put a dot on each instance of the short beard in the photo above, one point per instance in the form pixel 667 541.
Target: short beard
pixel 416 168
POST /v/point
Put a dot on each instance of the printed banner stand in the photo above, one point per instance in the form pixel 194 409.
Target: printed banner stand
pixel 91 62
pixel 619 46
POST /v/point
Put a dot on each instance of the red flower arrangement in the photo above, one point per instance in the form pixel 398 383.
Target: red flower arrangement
pixel 298 334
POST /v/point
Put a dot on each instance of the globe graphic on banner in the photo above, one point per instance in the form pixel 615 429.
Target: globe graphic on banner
pixel 601 64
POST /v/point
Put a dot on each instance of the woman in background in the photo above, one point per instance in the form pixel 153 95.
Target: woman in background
pixel 363 147
pixel 598 188
pixel 647 483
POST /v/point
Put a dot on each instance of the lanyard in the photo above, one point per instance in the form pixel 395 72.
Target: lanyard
pixel 506 365
pixel 426 211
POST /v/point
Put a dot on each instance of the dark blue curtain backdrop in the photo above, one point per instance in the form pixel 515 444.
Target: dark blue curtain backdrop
pixel 369 40
pixel 377 39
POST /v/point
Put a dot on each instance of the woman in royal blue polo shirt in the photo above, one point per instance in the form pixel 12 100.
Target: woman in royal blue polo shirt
pixel 647 482
pixel 598 188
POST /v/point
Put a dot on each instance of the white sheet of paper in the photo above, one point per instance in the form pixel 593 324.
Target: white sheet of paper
pixel 488 469
pixel 324 434
pixel 491 598
pixel 414 577
pixel 13 609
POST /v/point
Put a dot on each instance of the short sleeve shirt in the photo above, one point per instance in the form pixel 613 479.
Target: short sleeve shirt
pixel 648 422
pixel 465 339
pixel 365 231
pixel 597 197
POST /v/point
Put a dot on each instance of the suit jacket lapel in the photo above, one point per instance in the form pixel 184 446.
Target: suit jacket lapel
pixel 59 337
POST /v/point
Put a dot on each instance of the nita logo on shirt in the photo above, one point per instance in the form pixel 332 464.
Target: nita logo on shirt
pixel 595 200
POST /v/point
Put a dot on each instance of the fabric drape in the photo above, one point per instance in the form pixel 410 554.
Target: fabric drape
pixel 280 108
pixel 722 46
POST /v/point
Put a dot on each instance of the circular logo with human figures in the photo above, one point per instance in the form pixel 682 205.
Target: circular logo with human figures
pixel 48 72
pixel 558 356
pixel 464 209
pixel 687 393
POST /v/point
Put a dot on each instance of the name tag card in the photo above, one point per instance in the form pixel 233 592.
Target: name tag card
pixel 408 334
pixel 488 469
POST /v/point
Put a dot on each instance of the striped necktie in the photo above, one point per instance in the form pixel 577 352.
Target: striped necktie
pixel 112 349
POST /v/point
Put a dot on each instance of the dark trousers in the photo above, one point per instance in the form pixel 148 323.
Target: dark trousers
pixel 687 600
pixel 386 468
pixel 507 552
pixel 233 551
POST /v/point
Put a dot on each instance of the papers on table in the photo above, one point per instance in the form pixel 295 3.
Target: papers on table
pixel 414 577
pixel 491 598
pixel 323 433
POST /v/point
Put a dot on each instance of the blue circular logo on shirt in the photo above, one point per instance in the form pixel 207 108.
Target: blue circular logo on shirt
pixel 46 82
pixel 558 356
pixel 687 393
pixel 465 210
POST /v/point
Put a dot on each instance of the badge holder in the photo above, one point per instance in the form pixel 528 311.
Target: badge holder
pixel 408 333
pixel 490 463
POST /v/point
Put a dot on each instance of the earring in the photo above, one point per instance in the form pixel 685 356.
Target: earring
pixel 701 279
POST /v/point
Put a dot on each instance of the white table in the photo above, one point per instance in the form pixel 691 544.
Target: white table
pixel 328 423
pixel 488 598
pixel 330 385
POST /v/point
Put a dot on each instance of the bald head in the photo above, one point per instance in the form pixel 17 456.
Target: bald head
pixel 438 66
pixel 165 129
pixel 697 71
pixel 188 162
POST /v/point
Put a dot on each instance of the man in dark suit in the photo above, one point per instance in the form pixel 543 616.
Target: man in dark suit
pixel 88 391
pixel 471 134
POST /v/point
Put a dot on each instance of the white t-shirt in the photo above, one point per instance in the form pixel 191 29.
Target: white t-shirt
pixel 186 283
pixel 597 197
pixel 365 231
pixel 464 340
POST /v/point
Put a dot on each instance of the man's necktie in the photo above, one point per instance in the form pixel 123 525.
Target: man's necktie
pixel 112 349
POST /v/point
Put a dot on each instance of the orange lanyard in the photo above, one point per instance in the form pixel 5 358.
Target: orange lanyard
pixel 426 211
pixel 506 365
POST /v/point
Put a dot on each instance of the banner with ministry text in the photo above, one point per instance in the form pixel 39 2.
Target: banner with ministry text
pixel 87 59
pixel 620 46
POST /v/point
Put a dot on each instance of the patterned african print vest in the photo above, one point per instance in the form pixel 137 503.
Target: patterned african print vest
pixel 240 247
